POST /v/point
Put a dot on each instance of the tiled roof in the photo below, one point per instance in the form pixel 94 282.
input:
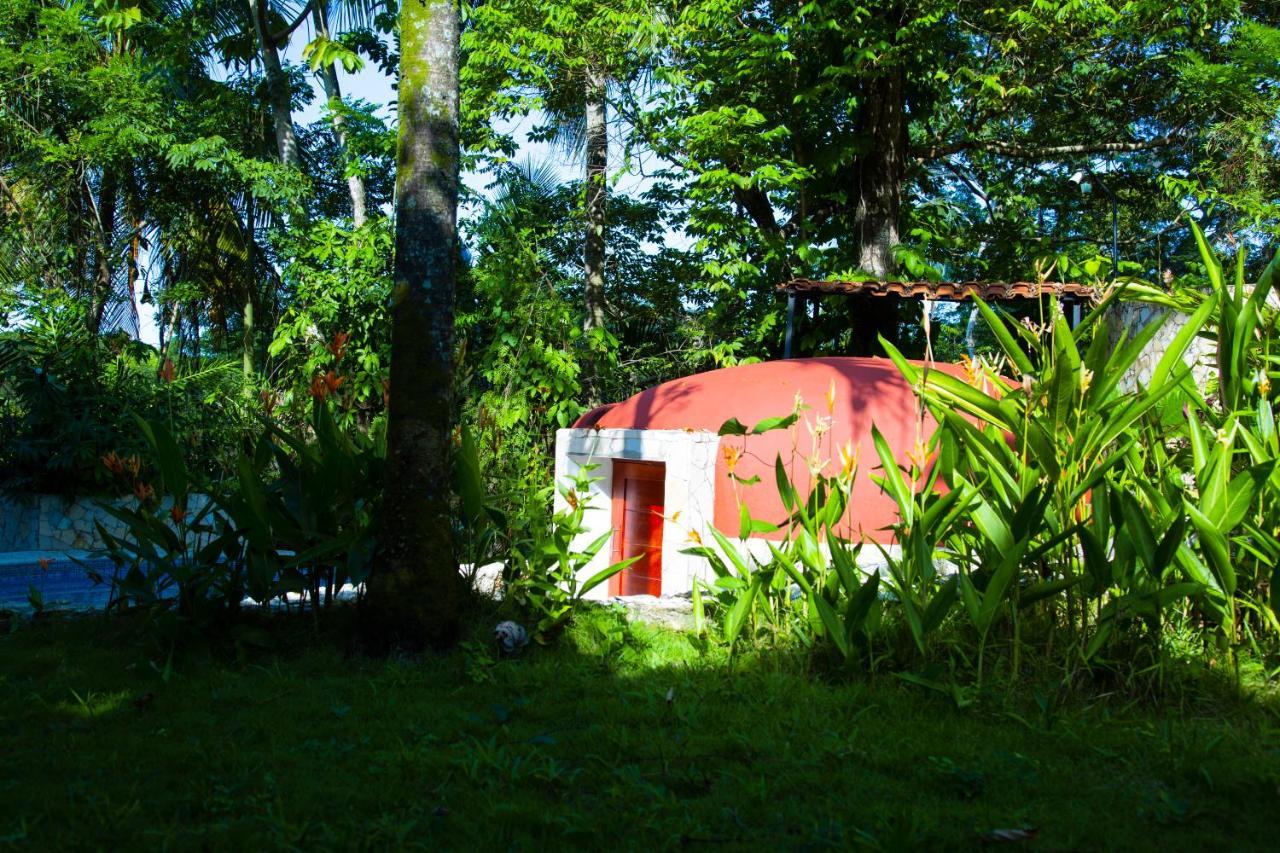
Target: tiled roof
pixel 987 290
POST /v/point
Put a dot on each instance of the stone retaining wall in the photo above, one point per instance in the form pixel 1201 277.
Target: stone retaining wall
pixel 1131 317
pixel 51 523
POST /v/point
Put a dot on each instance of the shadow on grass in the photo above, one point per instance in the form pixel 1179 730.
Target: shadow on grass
pixel 619 735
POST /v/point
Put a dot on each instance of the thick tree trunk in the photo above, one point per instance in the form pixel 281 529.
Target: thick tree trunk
pixel 333 92
pixel 277 86
pixel 877 206
pixel 593 255
pixel 415 590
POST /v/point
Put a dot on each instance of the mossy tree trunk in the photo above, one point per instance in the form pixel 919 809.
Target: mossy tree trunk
pixel 597 157
pixel 415 591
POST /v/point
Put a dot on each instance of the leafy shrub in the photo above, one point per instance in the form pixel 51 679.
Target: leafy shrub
pixel 1053 513
pixel 68 397
pixel 298 517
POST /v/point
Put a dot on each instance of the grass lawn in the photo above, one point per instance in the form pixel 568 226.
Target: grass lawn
pixel 618 737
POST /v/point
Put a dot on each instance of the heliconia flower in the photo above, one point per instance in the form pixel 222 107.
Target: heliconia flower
pixel 1086 379
pixel 731 456
pixel 918 455
pixel 338 344
pixel 45 563
pixel 143 491
pixel 970 370
pixel 831 397
pixel 820 426
pixel 1264 383
pixel 848 459
pixel 694 537
pixel 816 464
pixel 333 381
pixel 177 512
pixel 319 388
pixel 113 464
pixel 167 370
pixel 133 464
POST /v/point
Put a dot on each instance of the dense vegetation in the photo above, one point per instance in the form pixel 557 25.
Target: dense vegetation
pixel 362 359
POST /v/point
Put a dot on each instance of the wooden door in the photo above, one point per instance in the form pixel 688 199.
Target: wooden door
pixel 638 498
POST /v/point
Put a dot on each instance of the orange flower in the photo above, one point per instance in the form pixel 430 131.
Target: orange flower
pixel 918 456
pixel 338 344
pixel 731 456
pixel 133 464
pixel 332 381
pixel 143 491
pixel 386 392
pixel 177 512
pixel 166 370
pixel 319 388
pixel 848 459
pixel 45 563
pixel 113 464
pixel 831 398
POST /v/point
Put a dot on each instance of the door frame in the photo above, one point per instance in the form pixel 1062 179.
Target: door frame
pixel 623 470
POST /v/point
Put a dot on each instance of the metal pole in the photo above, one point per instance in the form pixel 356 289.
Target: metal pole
pixel 791 323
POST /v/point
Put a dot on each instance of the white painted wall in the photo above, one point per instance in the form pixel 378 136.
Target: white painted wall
pixel 689 500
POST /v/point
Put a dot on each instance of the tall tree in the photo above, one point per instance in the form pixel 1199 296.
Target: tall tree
pixel 328 70
pixel 415 590
pixel 817 138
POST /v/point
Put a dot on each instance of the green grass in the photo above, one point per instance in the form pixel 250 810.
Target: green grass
pixel 307 747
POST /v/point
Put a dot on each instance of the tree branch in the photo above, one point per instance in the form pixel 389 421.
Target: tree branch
pixel 278 39
pixel 1013 149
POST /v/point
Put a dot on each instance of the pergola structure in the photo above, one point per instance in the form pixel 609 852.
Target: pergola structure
pixel 948 291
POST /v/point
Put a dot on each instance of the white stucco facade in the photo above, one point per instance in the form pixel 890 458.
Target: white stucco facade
pixel 689 492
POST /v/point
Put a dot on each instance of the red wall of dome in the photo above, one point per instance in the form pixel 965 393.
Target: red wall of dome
pixel 867 391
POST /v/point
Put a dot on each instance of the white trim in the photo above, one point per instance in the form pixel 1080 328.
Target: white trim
pixel 689 491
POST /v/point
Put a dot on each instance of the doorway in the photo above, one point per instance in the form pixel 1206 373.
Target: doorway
pixel 638 510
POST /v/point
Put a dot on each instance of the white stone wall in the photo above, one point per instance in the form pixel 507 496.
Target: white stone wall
pixel 1132 317
pixel 689 492
pixel 51 523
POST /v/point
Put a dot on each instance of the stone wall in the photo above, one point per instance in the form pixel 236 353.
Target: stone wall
pixel 1132 317
pixel 51 523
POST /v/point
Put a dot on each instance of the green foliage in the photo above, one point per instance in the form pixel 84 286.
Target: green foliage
pixel 295 520
pixel 543 575
pixel 1066 508
pixel 336 320
pixel 68 398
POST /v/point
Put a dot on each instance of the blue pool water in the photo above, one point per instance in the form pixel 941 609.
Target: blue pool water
pixel 63 585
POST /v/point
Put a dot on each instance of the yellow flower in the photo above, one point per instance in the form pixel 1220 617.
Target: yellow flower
pixel 1086 379
pixel 731 456
pixel 848 459
pixel 694 537
pixel 831 397
pixel 918 456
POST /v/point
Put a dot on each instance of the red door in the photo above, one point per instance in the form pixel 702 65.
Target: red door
pixel 637 526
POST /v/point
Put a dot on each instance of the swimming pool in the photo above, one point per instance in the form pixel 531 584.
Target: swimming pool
pixel 63 585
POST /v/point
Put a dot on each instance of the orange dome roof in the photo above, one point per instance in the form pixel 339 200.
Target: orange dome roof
pixel 867 391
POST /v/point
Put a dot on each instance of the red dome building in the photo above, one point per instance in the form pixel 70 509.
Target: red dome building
pixel 663 471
